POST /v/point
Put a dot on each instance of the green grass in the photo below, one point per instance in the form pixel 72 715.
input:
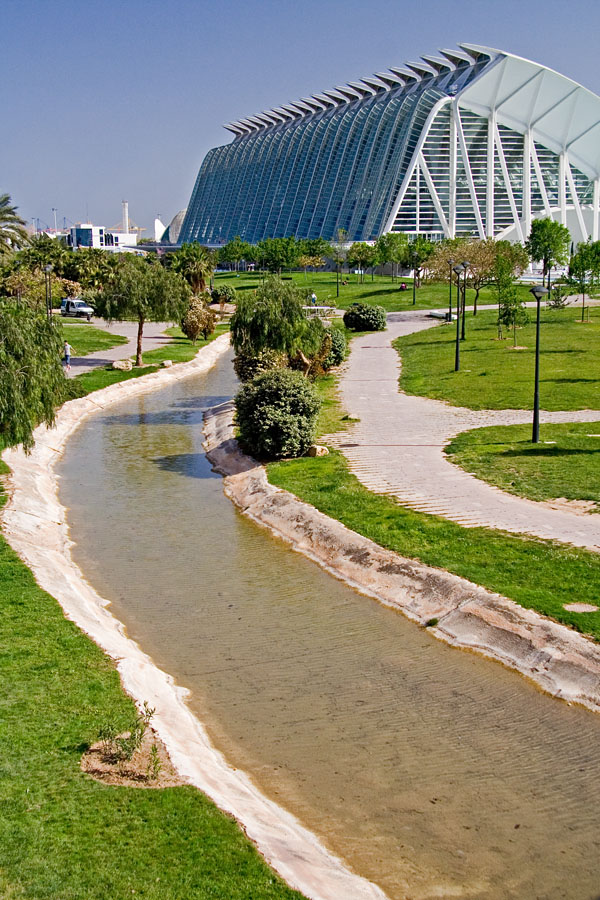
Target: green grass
pixel 564 464
pixel 494 376
pixel 86 339
pixel 536 574
pixel 65 836
pixel 179 349
pixel 380 291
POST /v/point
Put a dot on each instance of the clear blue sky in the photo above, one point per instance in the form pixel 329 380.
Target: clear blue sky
pixel 106 101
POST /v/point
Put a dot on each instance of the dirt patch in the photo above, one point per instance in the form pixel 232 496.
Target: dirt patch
pixel 147 768
pixel 580 507
pixel 580 607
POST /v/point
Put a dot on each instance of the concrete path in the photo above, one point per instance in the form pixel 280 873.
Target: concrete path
pixel 397 447
pixel 153 337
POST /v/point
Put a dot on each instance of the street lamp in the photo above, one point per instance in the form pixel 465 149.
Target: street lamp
pixel 47 271
pixel 465 265
pixel 459 269
pixel 450 263
pixel 538 292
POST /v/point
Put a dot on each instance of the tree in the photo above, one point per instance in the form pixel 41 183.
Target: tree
pixel 584 268
pixel 362 256
pixel 235 251
pixel 12 227
pixel 32 382
pixel 45 251
pixel 195 263
pixel 199 318
pixel 548 243
pixel 315 247
pixel 279 253
pixel 418 253
pixel 511 310
pixel 144 290
pixel 30 288
pixel 391 248
pixel 273 319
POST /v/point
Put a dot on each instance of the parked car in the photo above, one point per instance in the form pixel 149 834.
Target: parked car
pixel 76 308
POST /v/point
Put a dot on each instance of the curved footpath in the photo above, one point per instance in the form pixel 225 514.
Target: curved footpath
pixel 153 337
pixel 397 447
pixel 34 523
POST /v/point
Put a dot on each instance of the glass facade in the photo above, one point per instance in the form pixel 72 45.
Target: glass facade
pixel 338 168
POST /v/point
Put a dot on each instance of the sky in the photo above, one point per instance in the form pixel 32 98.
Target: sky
pixel 110 101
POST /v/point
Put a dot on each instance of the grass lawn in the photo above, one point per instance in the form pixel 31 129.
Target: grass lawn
pixel 380 290
pixel 536 574
pixel 179 349
pixel 565 464
pixel 495 376
pixel 86 339
pixel 66 836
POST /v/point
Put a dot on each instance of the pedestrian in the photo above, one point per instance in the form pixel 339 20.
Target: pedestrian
pixel 313 298
pixel 67 351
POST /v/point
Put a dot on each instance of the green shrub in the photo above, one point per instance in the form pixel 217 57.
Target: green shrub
pixel 277 414
pixel 199 319
pixel 364 317
pixel 223 293
pixel 337 352
pixel 248 366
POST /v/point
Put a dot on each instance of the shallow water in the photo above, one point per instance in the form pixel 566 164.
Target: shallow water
pixel 429 770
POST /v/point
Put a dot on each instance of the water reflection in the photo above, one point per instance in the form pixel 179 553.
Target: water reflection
pixel 432 771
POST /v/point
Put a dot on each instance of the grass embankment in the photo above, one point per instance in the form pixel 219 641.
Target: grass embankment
pixel 380 291
pixel 64 835
pixel 536 574
pixel 495 376
pixel 86 339
pixel 565 464
pixel 179 349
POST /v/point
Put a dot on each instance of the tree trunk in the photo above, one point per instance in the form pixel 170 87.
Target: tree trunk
pixel 138 353
pixel 477 289
pixel 306 363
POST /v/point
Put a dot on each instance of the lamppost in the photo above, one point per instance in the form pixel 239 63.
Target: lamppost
pixel 459 269
pixel 538 292
pixel 47 271
pixel 465 266
pixel 450 263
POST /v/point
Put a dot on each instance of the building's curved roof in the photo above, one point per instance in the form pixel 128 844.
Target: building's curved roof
pixel 562 115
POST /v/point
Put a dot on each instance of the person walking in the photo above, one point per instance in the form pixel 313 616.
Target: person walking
pixel 67 355
pixel 313 298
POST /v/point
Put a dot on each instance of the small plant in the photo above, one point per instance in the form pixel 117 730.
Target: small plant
pixel 222 294
pixel 248 367
pixel 338 349
pixel 364 317
pixel 107 736
pixel 558 298
pixel 124 745
pixel 155 765
pixel 431 623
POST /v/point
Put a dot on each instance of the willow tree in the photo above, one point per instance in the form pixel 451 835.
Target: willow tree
pixel 143 290
pixel 32 383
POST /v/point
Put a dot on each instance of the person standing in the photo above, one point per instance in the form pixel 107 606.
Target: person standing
pixel 313 298
pixel 67 351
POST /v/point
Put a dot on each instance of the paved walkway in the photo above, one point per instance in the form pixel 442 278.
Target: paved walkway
pixel 397 447
pixel 153 337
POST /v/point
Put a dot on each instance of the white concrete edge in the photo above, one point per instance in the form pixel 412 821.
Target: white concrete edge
pixel 34 524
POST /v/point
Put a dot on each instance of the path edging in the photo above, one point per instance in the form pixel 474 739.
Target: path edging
pixel 562 662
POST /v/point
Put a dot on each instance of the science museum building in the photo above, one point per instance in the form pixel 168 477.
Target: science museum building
pixel 471 141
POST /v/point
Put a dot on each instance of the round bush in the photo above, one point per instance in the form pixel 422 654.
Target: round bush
pixel 364 317
pixel 338 349
pixel 199 319
pixel 277 414
pixel 223 293
pixel 249 366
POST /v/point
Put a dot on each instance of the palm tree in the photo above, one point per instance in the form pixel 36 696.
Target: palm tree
pixel 196 264
pixel 12 227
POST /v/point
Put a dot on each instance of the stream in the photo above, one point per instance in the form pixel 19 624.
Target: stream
pixel 429 770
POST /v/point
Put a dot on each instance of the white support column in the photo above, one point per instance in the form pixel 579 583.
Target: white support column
pixel 489 194
pixel 469 175
pixel 540 181
pixel 508 185
pixel 596 209
pixel 452 202
pixel 575 199
pixel 424 168
pixel 418 196
pixel 527 183
pixel 562 187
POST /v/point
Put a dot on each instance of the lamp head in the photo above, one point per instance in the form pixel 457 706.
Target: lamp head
pixel 48 268
pixel 459 269
pixel 450 262
pixel 465 264
pixel 538 291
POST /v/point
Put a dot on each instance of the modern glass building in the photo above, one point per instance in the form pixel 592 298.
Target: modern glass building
pixel 473 141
